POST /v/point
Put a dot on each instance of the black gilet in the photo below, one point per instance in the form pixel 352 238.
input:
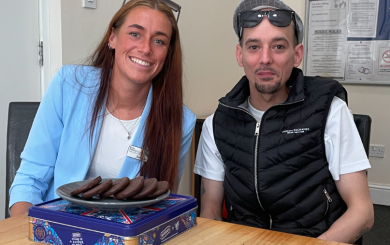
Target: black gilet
pixel 276 172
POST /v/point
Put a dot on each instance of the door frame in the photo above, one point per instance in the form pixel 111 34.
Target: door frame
pixel 51 35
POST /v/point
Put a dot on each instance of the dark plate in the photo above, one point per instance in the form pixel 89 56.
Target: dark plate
pixel 105 204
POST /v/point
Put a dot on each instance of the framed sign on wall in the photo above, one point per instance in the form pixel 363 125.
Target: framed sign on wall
pixel 348 40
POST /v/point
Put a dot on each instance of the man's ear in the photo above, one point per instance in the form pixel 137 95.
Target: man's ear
pixel 298 54
pixel 239 54
pixel 112 39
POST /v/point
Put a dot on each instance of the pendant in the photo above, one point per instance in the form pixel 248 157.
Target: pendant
pixel 128 136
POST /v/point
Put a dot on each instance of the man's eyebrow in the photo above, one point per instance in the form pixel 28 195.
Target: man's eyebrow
pixel 252 40
pixel 158 33
pixel 256 40
pixel 276 39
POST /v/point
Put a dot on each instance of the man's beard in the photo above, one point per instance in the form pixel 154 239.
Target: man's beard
pixel 268 88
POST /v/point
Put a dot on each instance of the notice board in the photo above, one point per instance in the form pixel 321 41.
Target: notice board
pixel 348 40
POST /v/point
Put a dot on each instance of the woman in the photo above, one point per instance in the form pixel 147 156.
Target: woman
pixel 122 115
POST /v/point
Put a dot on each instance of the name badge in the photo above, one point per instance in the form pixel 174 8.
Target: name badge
pixel 135 152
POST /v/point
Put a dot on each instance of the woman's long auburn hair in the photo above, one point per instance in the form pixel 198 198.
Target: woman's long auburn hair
pixel 163 127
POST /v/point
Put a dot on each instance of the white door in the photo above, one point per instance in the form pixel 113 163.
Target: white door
pixel 19 66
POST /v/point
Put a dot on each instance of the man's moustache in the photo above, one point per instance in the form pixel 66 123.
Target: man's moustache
pixel 267 68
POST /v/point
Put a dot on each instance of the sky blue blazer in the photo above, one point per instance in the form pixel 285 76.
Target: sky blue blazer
pixel 58 144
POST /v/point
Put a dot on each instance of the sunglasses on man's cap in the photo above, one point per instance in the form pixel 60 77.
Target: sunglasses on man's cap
pixel 277 17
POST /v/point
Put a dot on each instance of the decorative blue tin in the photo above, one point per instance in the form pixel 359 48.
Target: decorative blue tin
pixel 61 222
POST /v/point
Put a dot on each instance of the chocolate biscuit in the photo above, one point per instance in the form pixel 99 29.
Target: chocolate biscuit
pixel 135 186
pixel 87 186
pixel 150 185
pixel 117 186
pixel 97 189
pixel 162 187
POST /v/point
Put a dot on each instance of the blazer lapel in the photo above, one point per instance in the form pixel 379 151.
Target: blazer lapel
pixel 131 166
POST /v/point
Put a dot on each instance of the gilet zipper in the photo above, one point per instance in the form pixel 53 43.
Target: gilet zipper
pixel 257 132
pixel 329 200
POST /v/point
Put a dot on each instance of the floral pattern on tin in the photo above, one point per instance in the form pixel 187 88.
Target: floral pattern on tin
pixel 44 233
pixel 110 240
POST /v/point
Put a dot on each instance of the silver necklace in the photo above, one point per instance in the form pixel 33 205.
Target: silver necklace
pixel 135 123
pixel 129 131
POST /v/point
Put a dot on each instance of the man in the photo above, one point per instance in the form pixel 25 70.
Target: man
pixel 283 147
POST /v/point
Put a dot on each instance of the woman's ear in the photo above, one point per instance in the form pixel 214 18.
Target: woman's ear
pixel 112 39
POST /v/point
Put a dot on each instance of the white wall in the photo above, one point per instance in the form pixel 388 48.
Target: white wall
pixel 82 28
pixel 374 101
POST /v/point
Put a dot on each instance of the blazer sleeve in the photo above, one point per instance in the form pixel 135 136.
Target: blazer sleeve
pixel 40 153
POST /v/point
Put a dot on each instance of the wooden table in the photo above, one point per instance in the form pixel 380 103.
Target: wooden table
pixel 14 231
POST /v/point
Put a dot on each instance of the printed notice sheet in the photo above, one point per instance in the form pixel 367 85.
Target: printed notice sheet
pixel 360 61
pixel 384 61
pixel 363 18
pixel 327 39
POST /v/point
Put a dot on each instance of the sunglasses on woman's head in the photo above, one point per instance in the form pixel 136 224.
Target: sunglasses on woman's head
pixel 277 17
pixel 174 6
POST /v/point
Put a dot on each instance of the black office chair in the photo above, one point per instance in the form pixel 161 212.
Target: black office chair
pixel 363 124
pixel 20 118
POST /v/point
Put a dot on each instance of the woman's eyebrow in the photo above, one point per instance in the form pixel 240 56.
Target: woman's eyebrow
pixel 143 28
